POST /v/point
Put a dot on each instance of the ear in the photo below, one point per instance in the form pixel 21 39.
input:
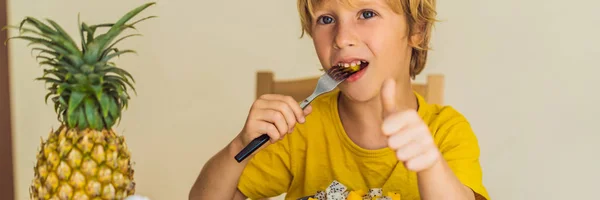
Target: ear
pixel 417 34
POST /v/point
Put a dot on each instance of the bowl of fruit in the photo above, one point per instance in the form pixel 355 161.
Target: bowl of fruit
pixel 338 191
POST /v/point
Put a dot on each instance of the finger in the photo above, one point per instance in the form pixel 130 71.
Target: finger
pixel 397 121
pixel 388 97
pixel 269 129
pixel 307 110
pixel 403 138
pixel 410 151
pixel 275 117
pixel 423 161
pixel 278 106
pixel 285 109
pixel 295 108
pixel 292 104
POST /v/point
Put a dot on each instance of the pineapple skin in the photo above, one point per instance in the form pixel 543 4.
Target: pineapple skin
pixel 83 165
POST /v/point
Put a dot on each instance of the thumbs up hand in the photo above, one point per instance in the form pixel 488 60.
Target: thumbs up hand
pixel 407 134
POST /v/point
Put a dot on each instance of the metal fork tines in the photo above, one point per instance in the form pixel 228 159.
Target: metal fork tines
pixel 325 84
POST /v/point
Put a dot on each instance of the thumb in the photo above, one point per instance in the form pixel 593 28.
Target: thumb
pixel 388 97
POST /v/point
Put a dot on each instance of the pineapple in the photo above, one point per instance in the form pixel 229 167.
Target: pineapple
pixel 83 158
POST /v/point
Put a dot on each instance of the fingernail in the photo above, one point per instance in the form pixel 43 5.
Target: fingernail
pixel 302 120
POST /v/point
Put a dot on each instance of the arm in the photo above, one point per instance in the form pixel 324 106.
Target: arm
pixel 438 182
pixel 458 170
pixel 446 162
pixel 220 175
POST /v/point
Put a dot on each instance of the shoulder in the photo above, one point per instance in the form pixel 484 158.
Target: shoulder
pixel 447 124
pixel 439 117
pixel 457 142
pixel 444 118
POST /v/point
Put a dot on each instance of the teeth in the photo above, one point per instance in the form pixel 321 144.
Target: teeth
pixel 352 64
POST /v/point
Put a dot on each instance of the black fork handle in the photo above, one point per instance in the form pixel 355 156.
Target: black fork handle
pixel 252 147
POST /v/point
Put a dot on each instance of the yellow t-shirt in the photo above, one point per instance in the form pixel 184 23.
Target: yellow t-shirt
pixel 318 152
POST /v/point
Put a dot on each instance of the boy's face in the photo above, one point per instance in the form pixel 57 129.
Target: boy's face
pixel 371 31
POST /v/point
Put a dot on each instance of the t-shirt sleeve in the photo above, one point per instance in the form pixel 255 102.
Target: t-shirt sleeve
pixel 459 146
pixel 268 173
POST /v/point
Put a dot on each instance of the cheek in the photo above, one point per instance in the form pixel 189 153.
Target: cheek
pixel 388 44
pixel 322 43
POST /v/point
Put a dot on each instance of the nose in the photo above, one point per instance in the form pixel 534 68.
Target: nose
pixel 345 36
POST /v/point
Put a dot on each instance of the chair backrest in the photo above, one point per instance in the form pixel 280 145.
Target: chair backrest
pixel 432 91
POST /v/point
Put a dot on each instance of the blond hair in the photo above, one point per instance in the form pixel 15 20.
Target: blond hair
pixel 420 15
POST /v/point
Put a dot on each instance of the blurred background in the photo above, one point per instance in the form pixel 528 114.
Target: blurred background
pixel 525 73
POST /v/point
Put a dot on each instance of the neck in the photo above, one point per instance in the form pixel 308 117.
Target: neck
pixel 362 120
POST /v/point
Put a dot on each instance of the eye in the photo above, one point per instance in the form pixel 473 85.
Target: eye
pixel 325 20
pixel 367 14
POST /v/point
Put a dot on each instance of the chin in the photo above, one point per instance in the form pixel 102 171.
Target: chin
pixel 363 87
pixel 360 93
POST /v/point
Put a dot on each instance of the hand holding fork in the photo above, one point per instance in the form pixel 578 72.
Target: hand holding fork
pixel 273 116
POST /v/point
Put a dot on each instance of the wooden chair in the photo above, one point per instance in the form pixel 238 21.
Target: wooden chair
pixel 432 91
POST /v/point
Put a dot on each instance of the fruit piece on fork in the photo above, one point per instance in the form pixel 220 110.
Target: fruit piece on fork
pixel 342 71
pixel 340 74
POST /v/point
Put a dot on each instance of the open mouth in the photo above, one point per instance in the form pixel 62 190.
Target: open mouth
pixel 352 67
pixel 346 70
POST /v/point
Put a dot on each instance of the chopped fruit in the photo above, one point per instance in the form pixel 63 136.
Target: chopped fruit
pixel 337 190
pixel 352 64
pixel 359 192
pixel 352 67
pixel 356 195
pixel 394 196
pixel 339 71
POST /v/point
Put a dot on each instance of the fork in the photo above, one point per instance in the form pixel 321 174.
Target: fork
pixel 326 83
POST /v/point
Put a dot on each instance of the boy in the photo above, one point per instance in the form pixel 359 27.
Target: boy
pixel 375 132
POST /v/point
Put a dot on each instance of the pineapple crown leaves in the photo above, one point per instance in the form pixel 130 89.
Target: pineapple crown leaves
pixel 88 90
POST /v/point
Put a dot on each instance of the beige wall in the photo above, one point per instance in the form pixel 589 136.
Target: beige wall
pixel 523 72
